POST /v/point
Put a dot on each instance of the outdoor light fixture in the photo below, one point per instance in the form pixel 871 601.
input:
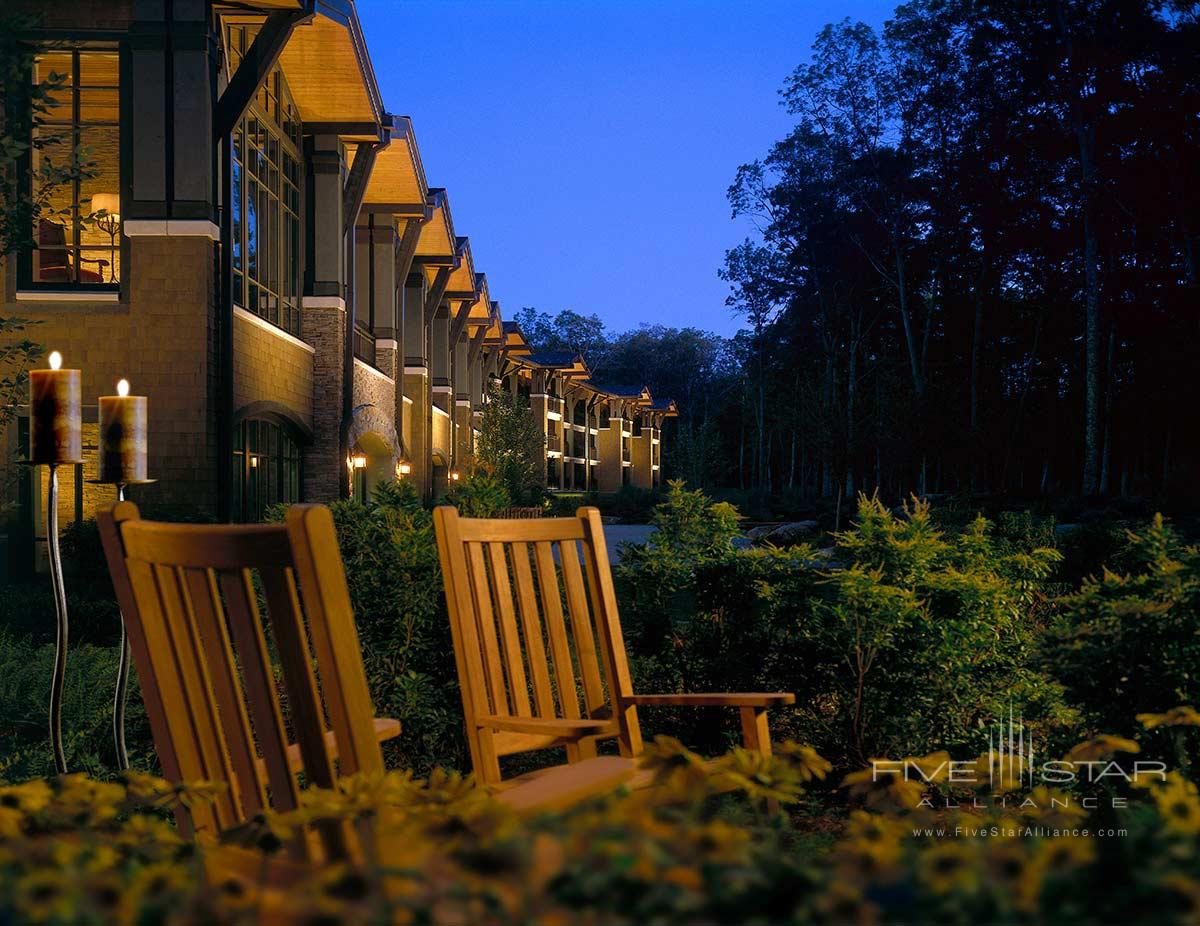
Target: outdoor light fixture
pixel 403 468
pixel 454 475
pixel 358 461
pixel 110 224
pixel 254 462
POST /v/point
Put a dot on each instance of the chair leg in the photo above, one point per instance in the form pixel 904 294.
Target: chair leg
pixel 756 737
pixel 581 749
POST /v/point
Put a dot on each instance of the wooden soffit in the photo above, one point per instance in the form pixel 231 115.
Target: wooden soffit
pixel 329 71
pixel 437 243
pixel 397 183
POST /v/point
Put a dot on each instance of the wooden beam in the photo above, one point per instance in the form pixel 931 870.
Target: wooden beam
pixel 476 345
pixel 259 59
pixel 407 247
pixel 460 321
pixel 433 298
pixel 356 184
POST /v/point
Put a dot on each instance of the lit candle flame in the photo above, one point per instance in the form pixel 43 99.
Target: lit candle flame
pixel 123 388
pixel 55 360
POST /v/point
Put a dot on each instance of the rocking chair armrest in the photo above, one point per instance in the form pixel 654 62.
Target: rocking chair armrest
pixel 93 260
pixel 711 699
pixel 549 726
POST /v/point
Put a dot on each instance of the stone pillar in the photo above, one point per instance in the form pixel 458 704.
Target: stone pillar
pixel 416 382
pixel 462 401
pixel 323 318
pixel 323 321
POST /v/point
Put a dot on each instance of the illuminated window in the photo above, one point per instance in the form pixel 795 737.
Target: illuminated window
pixel 77 229
pixel 266 468
pixel 266 198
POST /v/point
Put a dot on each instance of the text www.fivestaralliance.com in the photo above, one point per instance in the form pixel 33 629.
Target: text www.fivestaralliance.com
pixel 1011 832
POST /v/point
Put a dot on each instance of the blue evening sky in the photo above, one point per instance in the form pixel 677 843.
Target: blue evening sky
pixel 586 146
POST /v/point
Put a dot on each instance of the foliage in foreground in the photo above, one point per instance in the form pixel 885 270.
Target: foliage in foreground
pixel 78 851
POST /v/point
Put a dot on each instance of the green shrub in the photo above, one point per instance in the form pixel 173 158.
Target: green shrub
pixel 629 503
pixel 1129 640
pixel 392 569
pixel 512 444
pixel 479 493
pixel 25 670
pixel 902 641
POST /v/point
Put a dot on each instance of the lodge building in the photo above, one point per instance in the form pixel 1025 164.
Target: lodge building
pixel 257 249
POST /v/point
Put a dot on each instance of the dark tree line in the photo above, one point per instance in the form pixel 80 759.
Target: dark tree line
pixel 977 262
pixel 975 267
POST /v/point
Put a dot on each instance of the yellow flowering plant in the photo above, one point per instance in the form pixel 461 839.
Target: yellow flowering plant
pixel 441 851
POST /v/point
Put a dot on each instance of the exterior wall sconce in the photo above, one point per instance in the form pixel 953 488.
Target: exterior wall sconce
pixel 358 461
pixel 403 468
pixel 454 475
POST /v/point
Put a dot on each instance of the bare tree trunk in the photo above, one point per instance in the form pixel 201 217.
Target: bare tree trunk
pixel 1085 140
pixel 851 397
pixel 1109 390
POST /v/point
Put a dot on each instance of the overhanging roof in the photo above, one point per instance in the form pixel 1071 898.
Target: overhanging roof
pixel 639 394
pixel 511 338
pixel 329 71
pixel 483 310
pixel 437 244
pixel 462 278
pixel 397 185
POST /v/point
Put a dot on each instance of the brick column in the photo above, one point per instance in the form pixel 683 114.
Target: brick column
pixel 323 321
pixel 416 382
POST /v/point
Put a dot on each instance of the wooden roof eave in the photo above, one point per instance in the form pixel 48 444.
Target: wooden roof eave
pixel 398 186
pixel 329 73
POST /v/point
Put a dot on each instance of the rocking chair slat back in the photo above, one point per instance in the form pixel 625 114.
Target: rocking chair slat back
pixel 206 607
pixel 531 636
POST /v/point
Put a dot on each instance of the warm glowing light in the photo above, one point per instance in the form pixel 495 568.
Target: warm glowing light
pixel 123 388
pixel 454 475
pixel 254 462
pixel 403 468
pixel 55 360
pixel 359 461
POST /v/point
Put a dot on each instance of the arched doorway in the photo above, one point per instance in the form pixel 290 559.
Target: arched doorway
pixel 371 462
pixel 441 474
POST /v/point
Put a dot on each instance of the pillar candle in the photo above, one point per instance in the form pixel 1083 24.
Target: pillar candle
pixel 55 414
pixel 122 436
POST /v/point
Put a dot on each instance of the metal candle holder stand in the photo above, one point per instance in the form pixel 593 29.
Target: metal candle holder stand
pixel 118 724
pixel 62 624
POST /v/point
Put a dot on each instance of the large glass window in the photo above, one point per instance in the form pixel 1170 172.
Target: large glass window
pixel 266 468
pixel 266 198
pixel 78 225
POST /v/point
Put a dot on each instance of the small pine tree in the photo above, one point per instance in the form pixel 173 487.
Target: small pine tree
pixel 513 446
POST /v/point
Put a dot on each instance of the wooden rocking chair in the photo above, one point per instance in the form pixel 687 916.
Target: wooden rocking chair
pixel 189 599
pixel 506 585
pixel 203 650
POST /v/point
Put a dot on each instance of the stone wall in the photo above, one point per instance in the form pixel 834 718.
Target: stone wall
pixel 269 366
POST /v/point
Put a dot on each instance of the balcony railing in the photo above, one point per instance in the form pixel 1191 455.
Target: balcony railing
pixel 364 344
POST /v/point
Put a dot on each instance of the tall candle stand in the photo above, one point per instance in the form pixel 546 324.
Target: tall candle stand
pixel 62 624
pixel 56 440
pixel 119 697
pixel 122 463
